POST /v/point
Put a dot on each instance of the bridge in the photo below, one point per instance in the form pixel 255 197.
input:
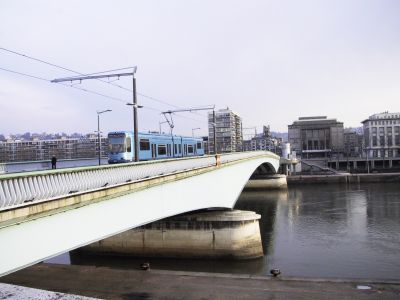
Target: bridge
pixel 44 214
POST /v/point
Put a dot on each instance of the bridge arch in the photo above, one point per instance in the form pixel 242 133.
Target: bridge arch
pixel 60 232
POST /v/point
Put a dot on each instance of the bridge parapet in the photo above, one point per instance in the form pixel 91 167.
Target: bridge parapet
pixel 19 189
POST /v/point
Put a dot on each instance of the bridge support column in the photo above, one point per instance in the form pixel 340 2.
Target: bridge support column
pixel 267 182
pixel 231 234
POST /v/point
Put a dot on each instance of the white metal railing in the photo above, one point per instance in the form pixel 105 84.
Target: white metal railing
pixel 21 188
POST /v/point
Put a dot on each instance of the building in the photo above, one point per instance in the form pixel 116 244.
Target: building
pixel 316 137
pixel 263 141
pixel 382 135
pixel 353 142
pixel 228 127
pixel 64 148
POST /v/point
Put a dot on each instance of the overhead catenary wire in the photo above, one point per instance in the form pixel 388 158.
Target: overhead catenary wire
pixel 79 73
pixel 86 90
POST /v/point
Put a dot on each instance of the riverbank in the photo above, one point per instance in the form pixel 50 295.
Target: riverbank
pixel 344 178
pixel 106 283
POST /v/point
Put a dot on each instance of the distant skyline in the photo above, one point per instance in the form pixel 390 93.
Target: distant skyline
pixel 269 61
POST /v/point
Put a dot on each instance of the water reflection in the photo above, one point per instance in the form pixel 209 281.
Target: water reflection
pixel 343 231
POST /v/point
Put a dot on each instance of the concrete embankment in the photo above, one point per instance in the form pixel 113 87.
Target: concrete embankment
pixel 348 178
pixel 233 234
pixel 106 283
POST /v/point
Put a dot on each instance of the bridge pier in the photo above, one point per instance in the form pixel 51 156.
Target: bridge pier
pixel 267 182
pixel 233 234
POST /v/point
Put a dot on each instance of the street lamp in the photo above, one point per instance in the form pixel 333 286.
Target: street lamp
pixel 193 130
pixel 98 131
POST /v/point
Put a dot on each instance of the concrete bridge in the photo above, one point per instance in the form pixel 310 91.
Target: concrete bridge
pixel 44 214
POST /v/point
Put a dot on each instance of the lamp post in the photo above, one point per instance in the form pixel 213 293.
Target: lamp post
pixel 193 130
pixel 98 131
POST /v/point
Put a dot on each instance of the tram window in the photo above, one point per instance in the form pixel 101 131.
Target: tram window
pixel 128 144
pixel 199 145
pixel 169 149
pixel 144 145
pixel 190 148
pixel 175 148
pixel 162 149
pixel 180 148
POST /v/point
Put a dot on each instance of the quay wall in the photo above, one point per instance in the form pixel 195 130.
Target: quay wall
pixel 219 234
pixel 344 178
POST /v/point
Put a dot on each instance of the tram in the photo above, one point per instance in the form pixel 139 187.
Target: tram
pixel 151 146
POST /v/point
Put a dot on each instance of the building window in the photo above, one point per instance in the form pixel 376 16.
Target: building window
pixel 374 141
pixel 382 140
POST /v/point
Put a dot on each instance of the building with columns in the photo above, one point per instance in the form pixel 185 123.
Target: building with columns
pixel 382 135
pixel 316 137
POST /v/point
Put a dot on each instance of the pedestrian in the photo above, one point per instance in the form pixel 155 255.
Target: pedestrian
pixel 54 162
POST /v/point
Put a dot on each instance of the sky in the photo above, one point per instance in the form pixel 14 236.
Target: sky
pixel 269 61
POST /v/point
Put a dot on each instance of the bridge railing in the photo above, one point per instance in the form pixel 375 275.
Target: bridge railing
pixel 21 188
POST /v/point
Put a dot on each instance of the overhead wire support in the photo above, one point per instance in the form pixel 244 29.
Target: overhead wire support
pixel 80 78
pixel 170 121
pixel 134 104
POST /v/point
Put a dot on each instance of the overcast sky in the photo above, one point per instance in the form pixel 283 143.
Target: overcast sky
pixel 269 61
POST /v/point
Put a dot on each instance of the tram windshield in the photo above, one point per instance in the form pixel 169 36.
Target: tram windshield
pixel 116 144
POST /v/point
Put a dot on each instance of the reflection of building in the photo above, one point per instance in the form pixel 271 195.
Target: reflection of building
pixel 316 136
pixel 229 136
pixel 64 148
pixel 382 135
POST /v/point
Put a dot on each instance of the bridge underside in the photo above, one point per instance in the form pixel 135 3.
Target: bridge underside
pixel 36 240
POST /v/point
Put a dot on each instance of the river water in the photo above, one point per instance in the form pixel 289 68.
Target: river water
pixel 330 231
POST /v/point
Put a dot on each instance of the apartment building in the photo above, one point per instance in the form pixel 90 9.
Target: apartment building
pixel 64 148
pixel 228 128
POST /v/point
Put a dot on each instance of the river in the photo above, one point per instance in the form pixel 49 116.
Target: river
pixel 329 231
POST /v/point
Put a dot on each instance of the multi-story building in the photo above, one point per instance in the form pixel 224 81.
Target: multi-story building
pixel 353 142
pixel 382 135
pixel 228 127
pixel 316 137
pixel 262 141
pixel 64 148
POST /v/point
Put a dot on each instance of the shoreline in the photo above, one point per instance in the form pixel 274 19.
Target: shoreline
pixel 110 283
pixel 344 178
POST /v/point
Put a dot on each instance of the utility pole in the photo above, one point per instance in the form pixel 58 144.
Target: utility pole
pixel 133 104
pixel 135 119
pixel 215 132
